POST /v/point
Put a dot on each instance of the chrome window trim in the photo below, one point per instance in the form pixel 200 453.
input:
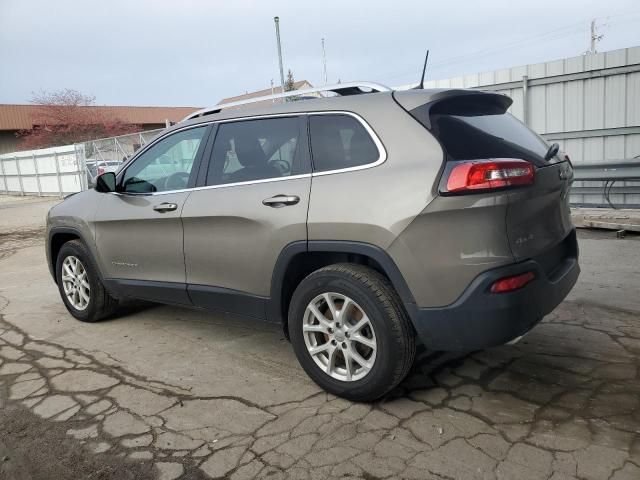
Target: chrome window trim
pixel 382 152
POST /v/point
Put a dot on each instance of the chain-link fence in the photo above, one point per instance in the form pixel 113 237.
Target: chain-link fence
pixel 67 169
pixel 107 154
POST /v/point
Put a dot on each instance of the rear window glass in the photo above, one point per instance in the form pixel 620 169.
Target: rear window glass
pixel 482 130
pixel 340 141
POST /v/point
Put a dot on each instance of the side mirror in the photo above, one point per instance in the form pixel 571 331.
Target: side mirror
pixel 106 182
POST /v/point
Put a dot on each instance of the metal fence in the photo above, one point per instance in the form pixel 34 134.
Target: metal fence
pixel 49 171
pixel 589 104
pixel 117 149
pixel 59 171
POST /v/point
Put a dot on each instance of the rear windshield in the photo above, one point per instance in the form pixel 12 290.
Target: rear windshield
pixel 477 128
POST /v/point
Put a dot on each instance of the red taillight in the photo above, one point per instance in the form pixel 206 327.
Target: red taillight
pixel 489 174
pixel 509 284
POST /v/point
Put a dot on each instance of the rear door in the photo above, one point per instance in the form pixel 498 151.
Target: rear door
pixel 252 202
pixel 139 234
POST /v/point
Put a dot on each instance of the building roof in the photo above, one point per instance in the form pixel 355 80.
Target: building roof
pixel 21 117
pixel 267 91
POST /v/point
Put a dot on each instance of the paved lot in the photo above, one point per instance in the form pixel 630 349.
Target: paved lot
pixel 198 395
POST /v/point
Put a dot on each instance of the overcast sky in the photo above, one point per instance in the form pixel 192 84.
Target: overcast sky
pixel 195 52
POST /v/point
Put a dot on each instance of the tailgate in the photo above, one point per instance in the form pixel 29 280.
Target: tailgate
pixel 538 217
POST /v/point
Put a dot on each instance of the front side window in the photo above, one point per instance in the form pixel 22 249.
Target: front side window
pixel 166 165
pixel 340 141
pixel 254 150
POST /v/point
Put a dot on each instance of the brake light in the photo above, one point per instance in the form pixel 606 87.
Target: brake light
pixel 490 174
pixel 509 284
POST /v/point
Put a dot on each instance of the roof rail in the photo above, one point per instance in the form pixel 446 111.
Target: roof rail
pixel 344 89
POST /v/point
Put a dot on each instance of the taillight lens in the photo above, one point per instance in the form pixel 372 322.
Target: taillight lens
pixel 509 284
pixel 489 174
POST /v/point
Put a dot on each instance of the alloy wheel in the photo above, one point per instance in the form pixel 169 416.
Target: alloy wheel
pixel 339 336
pixel 75 282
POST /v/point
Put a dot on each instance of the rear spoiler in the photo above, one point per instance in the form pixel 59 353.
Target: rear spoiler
pixel 422 103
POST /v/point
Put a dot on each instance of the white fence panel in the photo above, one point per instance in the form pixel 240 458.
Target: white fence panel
pixel 49 171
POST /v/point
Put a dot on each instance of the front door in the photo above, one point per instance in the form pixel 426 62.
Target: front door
pixel 139 235
pixel 253 203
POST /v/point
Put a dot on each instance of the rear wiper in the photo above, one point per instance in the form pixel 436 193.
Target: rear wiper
pixel 552 152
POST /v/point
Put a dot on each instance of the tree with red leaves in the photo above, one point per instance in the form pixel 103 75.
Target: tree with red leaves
pixel 67 116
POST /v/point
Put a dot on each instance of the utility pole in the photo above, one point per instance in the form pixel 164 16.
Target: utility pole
pixel 324 62
pixel 594 37
pixel 277 22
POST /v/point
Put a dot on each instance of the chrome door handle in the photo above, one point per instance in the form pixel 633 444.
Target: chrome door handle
pixel 281 201
pixel 165 207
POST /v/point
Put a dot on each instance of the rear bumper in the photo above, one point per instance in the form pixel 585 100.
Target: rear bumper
pixel 480 319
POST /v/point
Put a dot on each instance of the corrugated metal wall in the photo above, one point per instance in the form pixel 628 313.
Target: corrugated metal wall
pixel 589 104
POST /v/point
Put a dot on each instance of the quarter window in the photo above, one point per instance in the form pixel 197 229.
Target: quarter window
pixel 340 141
pixel 254 150
pixel 166 165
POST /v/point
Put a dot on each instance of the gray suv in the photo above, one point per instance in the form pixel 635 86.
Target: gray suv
pixel 361 223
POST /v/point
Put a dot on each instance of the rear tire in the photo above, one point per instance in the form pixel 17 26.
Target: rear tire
pixel 368 348
pixel 79 284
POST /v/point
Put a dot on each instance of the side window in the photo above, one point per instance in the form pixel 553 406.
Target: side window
pixel 254 150
pixel 166 165
pixel 340 141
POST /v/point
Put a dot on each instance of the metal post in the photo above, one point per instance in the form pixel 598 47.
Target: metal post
pixel 525 99
pixel 324 62
pixel 19 175
pixel 55 155
pixel 4 177
pixel 277 22
pixel 35 167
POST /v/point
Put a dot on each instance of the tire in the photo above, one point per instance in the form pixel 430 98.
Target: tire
pixel 390 332
pixel 100 304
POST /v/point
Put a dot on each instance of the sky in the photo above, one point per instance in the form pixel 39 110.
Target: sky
pixel 196 52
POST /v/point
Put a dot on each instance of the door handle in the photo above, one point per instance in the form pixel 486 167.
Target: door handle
pixel 165 207
pixel 281 201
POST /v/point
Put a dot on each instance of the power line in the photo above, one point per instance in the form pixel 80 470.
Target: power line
pixel 553 34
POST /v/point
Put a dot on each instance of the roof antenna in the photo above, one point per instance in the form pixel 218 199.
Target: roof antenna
pixel 424 69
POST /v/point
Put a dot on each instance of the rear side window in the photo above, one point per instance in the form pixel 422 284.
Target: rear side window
pixel 255 150
pixel 480 128
pixel 340 141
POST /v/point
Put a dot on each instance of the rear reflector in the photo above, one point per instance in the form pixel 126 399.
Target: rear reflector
pixel 490 174
pixel 509 284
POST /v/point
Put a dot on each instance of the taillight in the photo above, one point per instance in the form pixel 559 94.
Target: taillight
pixel 489 174
pixel 509 284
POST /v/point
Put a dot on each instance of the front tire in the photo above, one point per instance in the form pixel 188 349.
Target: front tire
pixel 350 331
pixel 79 284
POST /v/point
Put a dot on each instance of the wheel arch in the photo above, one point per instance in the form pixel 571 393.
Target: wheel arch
pixel 58 236
pixel 299 259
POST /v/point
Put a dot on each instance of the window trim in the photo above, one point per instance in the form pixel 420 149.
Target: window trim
pixel 211 138
pixel 382 152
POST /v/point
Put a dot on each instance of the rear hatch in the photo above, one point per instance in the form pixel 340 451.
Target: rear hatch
pixel 475 129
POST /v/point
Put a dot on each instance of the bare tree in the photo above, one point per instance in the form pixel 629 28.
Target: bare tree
pixel 67 116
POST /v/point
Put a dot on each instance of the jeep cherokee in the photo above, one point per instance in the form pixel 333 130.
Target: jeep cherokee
pixel 362 223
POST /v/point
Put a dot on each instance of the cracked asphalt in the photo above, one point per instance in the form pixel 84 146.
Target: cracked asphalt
pixel 187 394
